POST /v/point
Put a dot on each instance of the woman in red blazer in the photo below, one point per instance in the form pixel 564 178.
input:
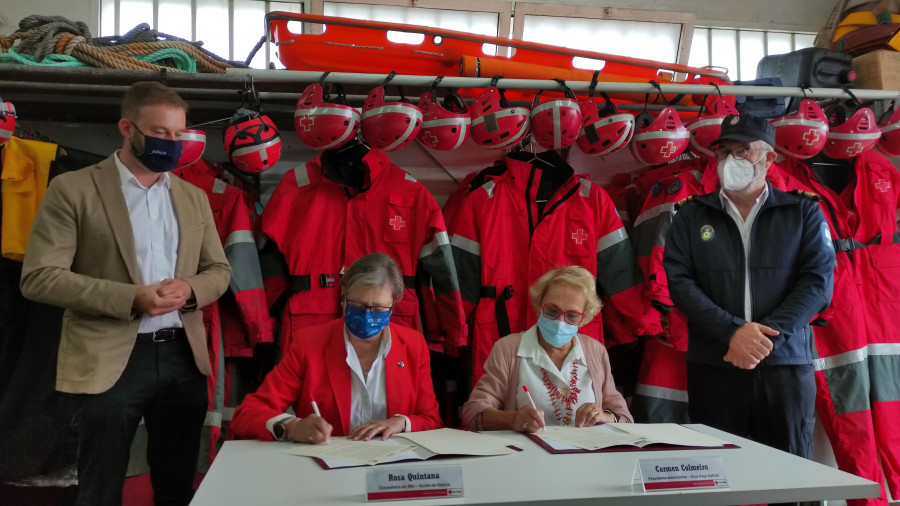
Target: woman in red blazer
pixel 368 377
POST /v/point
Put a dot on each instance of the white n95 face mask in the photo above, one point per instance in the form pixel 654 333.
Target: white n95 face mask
pixel 737 174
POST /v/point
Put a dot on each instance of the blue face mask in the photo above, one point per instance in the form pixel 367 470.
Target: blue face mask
pixel 556 332
pixel 365 324
pixel 159 155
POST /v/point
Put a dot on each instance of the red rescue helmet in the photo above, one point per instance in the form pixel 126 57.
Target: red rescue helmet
pixel 889 143
pixel 495 125
pixel 444 127
pixel 252 141
pixel 603 131
pixel 389 126
pixel 803 134
pixel 322 122
pixel 193 142
pixel 706 129
pixel 660 140
pixel 7 120
pixel 848 138
pixel 555 123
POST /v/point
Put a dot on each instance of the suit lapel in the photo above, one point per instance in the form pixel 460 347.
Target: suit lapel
pixel 109 186
pixel 181 208
pixel 395 376
pixel 339 373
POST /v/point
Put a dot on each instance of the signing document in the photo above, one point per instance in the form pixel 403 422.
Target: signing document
pixel 354 452
pixel 459 442
pixel 625 434
pixel 344 452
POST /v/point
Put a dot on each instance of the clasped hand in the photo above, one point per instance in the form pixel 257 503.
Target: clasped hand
pixel 161 298
pixel 749 345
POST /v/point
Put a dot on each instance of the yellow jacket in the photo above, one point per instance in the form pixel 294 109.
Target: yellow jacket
pixel 26 167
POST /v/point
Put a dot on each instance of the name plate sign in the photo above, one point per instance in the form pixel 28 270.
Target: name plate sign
pixel 417 482
pixel 675 474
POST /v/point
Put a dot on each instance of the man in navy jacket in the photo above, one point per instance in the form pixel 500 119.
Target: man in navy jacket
pixel 751 266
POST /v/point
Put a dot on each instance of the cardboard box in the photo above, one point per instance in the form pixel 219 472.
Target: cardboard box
pixel 878 70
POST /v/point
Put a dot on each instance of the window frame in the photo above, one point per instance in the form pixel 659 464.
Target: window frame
pixel 502 9
pixel 685 19
pixel 267 47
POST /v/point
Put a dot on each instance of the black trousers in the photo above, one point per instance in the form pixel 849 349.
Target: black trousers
pixel 162 384
pixel 772 405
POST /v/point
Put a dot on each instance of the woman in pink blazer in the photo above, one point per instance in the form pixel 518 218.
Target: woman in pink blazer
pixel 367 377
pixel 566 374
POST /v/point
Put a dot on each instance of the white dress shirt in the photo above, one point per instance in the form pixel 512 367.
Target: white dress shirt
pixel 745 226
pixel 368 393
pixel 531 373
pixel 155 230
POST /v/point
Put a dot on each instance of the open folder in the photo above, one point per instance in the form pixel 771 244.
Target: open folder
pixel 343 452
pixel 616 437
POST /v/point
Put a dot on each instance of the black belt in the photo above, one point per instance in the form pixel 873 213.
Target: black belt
pixel 161 335
pixel 847 245
pixel 490 292
pixel 852 244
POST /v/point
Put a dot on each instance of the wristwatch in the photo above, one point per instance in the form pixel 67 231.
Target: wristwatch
pixel 279 429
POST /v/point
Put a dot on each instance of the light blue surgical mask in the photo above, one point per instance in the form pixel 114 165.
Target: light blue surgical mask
pixel 556 332
pixel 365 324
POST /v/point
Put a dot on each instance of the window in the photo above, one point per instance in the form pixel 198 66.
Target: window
pixel 739 51
pixel 655 35
pixel 201 20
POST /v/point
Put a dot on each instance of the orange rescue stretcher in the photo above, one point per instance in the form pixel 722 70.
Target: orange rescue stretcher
pixel 352 45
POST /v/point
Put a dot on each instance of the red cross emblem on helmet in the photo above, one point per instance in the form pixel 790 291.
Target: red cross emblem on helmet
pixel 322 123
pixel 444 127
pixel 659 140
pixel 803 134
pixel 849 138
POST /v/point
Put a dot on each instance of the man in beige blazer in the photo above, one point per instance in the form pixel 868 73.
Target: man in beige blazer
pixel 131 254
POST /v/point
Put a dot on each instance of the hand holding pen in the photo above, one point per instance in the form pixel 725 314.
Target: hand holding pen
pixel 528 418
pixel 313 429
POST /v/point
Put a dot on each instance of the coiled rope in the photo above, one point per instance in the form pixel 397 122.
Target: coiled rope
pixel 57 41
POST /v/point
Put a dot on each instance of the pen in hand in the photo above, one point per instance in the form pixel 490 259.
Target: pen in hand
pixel 316 411
pixel 530 398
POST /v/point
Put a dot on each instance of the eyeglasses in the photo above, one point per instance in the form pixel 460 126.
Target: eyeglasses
pixel 551 312
pixel 740 152
pixel 364 307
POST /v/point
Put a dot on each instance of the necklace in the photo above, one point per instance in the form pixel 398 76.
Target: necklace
pixel 563 401
pixel 370 355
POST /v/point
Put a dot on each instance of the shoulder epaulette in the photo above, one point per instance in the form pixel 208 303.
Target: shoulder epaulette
pixel 683 201
pixel 805 194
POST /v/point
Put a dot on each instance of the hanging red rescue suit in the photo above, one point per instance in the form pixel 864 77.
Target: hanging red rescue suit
pixel 504 240
pixel 322 226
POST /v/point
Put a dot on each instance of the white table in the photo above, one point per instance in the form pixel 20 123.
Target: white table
pixel 254 472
